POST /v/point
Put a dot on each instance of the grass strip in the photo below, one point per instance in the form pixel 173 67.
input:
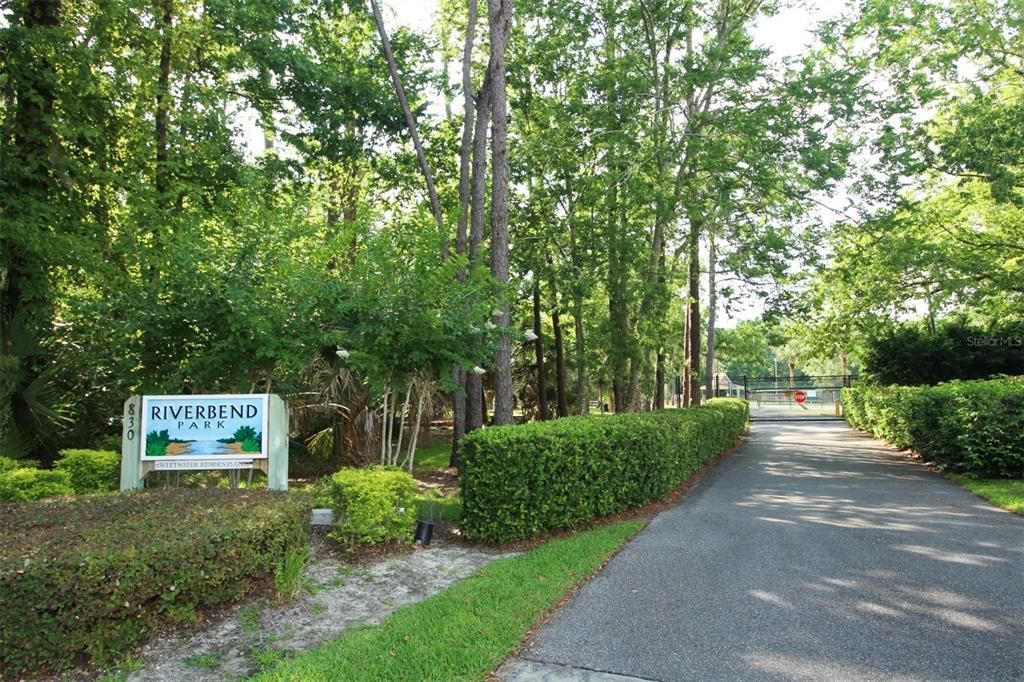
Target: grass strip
pixel 1007 493
pixel 464 632
pixel 432 457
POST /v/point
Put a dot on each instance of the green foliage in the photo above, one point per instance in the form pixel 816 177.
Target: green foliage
pixel 466 631
pixel 911 354
pixel 970 427
pixel 94 575
pixel 372 505
pixel 288 578
pixel 244 433
pixel 253 444
pixel 92 471
pixel 518 481
pixel 157 442
pixel 24 484
pixel 7 463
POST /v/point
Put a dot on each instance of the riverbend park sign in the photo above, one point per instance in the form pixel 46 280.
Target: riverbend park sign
pixel 201 432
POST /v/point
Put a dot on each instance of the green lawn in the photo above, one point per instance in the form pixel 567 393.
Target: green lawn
pixel 464 632
pixel 432 457
pixel 1007 493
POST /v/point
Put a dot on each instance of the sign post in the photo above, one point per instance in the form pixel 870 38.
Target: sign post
pixel 131 469
pixel 203 432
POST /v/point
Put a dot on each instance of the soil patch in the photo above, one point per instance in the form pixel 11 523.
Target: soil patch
pixel 346 591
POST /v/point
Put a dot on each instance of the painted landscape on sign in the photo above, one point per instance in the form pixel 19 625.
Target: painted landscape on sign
pixel 204 426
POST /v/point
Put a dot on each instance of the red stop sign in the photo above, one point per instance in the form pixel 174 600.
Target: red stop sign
pixel 799 396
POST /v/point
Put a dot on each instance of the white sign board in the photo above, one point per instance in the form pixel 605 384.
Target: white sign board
pixel 203 428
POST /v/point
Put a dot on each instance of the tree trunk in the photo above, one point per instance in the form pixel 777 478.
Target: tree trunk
pixel 687 384
pixel 582 401
pixel 542 382
pixel 560 385
pixel 410 122
pixel 461 235
pixel 693 292
pixel 659 382
pixel 618 310
pixel 582 398
pixel 500 22
pixel 709 362
pixel 476 411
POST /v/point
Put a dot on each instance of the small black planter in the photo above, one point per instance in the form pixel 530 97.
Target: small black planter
pixel 424 531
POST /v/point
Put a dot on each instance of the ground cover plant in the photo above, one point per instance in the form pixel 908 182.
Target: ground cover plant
pixel 522 480
pixel 967 427
pixel 466 631
pixel 89 577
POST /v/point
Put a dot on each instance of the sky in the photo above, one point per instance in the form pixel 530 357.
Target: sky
pixel 787 33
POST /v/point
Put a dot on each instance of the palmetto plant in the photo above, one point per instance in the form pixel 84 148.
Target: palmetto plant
pixel 37 411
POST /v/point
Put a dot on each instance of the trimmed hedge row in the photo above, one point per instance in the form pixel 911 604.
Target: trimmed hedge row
pixel 518 481
pixel 89 577
pixel 970 427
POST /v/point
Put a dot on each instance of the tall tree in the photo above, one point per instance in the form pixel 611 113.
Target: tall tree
pixel 500 19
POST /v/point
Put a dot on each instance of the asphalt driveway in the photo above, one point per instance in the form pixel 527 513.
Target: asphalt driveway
pixel 812 553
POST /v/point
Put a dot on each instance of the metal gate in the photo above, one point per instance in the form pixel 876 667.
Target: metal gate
pixel 783 398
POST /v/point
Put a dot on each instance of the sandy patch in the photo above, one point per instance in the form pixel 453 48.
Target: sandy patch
pixel 178 449
pixel 346 596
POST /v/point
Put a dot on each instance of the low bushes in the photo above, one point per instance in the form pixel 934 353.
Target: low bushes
pixel 371 505
pixel 26 484
pixel 92 471
pixel 970 427
pixel 88 577
pixel 518 481
pixel 8 463
pixel 78 471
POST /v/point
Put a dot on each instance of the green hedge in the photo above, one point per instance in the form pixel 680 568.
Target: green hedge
pixel 89 577
pixel 92 471
pixel 518 481
pixel 27 484
pixel 970 427
pixel 371 505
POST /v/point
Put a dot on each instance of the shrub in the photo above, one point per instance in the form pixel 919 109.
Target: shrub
pixel 26 484
pixel 91 576
pixel 518 481
pixel 157 442
pixel 92 471
pixel 372 505
pixel 7 463
pixel 971 427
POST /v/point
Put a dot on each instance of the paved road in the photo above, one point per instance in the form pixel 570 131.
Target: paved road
pixel 812 553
